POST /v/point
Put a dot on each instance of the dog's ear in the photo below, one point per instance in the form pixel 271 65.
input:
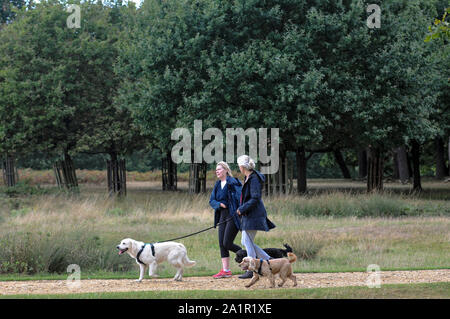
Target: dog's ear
pixel 252 264
pixel 133 246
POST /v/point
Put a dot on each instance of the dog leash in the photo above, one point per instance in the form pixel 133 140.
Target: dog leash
pixel 198 232
pixel 172 239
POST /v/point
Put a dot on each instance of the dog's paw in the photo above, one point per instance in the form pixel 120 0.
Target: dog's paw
pixel 138 280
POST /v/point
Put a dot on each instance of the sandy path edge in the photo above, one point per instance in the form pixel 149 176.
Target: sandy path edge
pixel 305 280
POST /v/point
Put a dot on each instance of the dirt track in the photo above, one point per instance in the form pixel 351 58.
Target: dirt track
pixel 310 280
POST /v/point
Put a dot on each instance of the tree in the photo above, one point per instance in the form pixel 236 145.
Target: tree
pixel 57 84
pixel 400 85
pixel 314 69
pixel 441 54
pixel 154 63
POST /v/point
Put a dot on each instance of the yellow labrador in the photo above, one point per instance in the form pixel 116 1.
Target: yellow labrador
pixel 150 255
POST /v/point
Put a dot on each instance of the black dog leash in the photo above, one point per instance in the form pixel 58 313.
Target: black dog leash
pixel 172 239
pixel 200 231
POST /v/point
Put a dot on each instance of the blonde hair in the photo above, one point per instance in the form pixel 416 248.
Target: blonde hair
pixel 247 162
pixel 225 167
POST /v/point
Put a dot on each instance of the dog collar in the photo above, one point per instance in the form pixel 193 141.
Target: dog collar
pixel 142 249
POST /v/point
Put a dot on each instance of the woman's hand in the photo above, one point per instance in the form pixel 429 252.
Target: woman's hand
pixel 238 212
pixel 223 205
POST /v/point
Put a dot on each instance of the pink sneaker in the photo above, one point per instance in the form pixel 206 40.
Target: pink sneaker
pixel 222 274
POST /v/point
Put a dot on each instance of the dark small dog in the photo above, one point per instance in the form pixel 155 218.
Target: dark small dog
pixel 272 252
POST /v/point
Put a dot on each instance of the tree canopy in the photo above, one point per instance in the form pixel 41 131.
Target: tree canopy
pixel 314 69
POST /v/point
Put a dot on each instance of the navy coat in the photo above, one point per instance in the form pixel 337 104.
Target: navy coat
pixel 234 195
pixel 254 215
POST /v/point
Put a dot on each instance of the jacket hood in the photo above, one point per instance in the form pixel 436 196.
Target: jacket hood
pixel 233 181
pixel 260 175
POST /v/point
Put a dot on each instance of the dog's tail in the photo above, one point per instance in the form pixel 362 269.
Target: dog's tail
pixel 188 262
pixel 292 258
pixel 288 248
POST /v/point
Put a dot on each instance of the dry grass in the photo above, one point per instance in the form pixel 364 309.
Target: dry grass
pixel 320 228
pixel 97 177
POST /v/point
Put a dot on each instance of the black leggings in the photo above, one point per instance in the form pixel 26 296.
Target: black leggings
pixel 227 234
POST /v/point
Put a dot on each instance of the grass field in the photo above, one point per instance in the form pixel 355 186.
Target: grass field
pixel 414 291
pixel 336 227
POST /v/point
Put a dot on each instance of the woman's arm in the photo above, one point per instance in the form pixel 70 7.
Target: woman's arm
pixel 234 196
pixel 212 199
pixel 255 196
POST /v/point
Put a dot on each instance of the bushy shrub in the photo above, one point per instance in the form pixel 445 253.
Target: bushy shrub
pixel 343 205
pixel 304 246
pixel 51 253
pixel 24 187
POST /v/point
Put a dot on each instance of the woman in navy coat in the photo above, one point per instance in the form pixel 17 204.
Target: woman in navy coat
pixel 252 210
pixel 225 200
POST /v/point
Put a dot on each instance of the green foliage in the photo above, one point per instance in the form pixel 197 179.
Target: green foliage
pixel 124 80
pixel 7 8
pixel 346 205
pixel 318 73
pixel 57 84
pixel 116 212
pixel 20 212
pixel 440 29
pixel 23 187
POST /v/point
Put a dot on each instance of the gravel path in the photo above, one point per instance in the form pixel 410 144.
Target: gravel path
pixel 308 280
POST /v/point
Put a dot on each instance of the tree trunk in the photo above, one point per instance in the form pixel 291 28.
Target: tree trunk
pixel 301 170
pixel 65 173
pixel 448 155
pixel 341 162
pixel 197 178
pixel 395 168
pixel 169 173
pixel 71 176
pixel 362 164
pixel 279 183
pixel 416 165
pixel 441 169
pixel 116 173
pixel 410 166
pixel 403 168
pixel 10 176
pixel 375 169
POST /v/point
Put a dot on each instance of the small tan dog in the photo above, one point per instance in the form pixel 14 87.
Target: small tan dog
pixel 270 268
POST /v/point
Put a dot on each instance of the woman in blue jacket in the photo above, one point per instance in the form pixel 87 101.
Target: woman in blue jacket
pixel 225 200
pixel 252 210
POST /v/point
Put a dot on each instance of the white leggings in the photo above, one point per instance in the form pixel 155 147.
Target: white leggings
pixel 253 250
